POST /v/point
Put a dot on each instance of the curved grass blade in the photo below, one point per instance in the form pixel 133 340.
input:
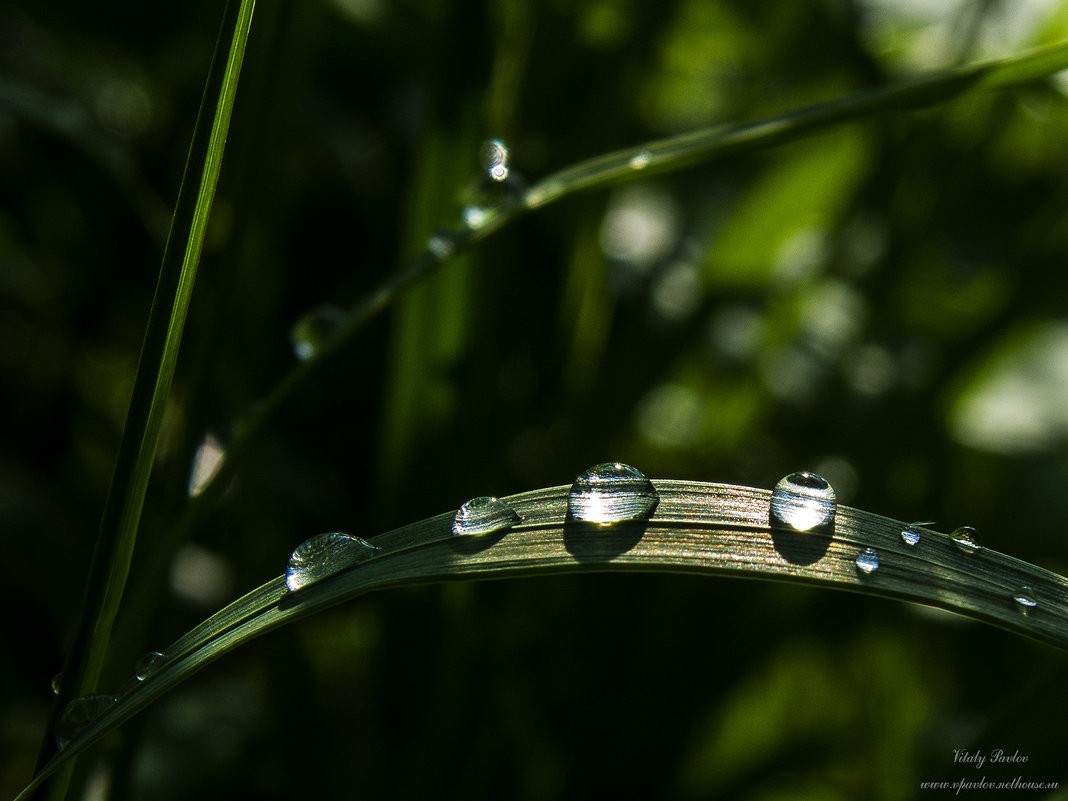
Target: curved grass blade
pixel 700 528
pixel 159 353
pixel 661 156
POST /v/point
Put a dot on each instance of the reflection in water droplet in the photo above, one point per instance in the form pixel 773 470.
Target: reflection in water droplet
pixel 148 664
pixel 57 683
pixel 804 501
pixel 483 515
pixel 78 714
pixel 868 561
pixel 324 555
pixel 442 243
pixel 494 158
pixel 1025 599
pixel 610 493
pixel 966 539
pixel 313 329
pixel 911 534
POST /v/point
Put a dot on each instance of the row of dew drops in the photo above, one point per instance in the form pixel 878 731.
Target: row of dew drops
pixel 499 188
pixel 604 495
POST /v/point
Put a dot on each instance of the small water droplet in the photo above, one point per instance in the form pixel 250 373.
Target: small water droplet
pixel 868 561
pixel 325 555
pixel 910 534
pixel 483 515
pixel 78 714
pixel 610 493
pixel 442 243
pixel 966 539
pixel 804 501
pixel 474 216
pixel 57 683
pixel 494 157
pixel 1025 599
pixel 148 664
pixel 311 331
pixel 639 161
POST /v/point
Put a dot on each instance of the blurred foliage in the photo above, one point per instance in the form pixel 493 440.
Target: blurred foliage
pixel 884 303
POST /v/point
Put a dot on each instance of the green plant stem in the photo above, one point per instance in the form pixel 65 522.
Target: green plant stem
pixel 122 511
pixel 661 156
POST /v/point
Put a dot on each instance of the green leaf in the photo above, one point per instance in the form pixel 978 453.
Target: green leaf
pixel 707 529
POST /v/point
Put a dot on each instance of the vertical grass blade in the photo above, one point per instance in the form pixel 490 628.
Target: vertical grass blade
pixel 122 511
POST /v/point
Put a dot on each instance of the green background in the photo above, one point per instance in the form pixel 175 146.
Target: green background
pixel 884 303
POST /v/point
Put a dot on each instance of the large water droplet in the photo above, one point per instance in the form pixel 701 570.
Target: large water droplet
pixel 966 539
pixel 483 515
pixel 324 555
pixel 804 501
pixel 57 683
pixel 78 714
pixel 1025 600
pixel 149 664
pixel 313 329
pixel 610 493
pixel 868 561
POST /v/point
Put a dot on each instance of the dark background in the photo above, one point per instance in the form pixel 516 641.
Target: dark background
pixel 884 303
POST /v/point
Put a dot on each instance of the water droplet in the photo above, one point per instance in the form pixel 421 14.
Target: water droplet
pixel 910 534
pixel 966 539
pixel 475 216
pixel 494 157
pixel 148 664
pixel 57 683
pixel 804 501
pixel 309 333
pixel 610 493
pixel 324 555
pixel 442 243
pixel 78 714
pixel 1025 599
pixel 483 515
pixel 868 561
pixel 639 161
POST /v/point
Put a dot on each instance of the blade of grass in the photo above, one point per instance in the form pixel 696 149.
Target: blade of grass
pixel 122 511
pixel 661 156
pixel 709 529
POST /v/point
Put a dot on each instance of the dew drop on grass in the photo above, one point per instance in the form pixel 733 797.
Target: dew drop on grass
pixel 494 157
pixel 910 534
pixel 967 540
pixel 639 161
pixel 78 714
pixel 148 664
pixel 611 493
pixel 483 515
pixel 1024 598
pixel 804 501
pixel 313 329
pixel 325 555
pixel 474 216
pixel 868 561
